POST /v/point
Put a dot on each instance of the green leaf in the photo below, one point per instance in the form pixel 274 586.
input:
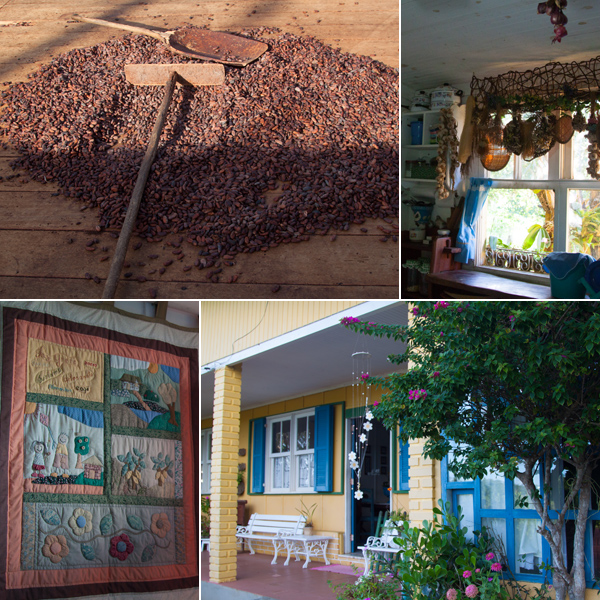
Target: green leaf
pixel 88 552
pixel 135 522
pixel 106 524
pixel 148 553
pixel 50 516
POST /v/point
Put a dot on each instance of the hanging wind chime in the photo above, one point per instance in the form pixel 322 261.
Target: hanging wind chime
pixel 361 388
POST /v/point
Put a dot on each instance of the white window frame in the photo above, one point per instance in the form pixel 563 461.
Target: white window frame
pixel 205 460
pixel 560 181
pixel 293 454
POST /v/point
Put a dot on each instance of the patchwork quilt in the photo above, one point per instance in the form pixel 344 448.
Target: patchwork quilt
pixel 98 455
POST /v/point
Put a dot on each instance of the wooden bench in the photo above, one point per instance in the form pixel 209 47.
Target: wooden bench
pixel 271 527
pixel 377 547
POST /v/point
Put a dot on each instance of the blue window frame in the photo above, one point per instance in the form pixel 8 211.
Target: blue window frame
pixel 496 507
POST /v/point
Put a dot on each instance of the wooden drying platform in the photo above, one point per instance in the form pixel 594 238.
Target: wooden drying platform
pixel 43 235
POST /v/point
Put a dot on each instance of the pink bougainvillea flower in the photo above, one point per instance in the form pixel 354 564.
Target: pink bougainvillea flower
pixel 120 546
pixel 496 567
pixel 477 570
pixel 451 594
pixel 436 374
pixel 466 574
pixel 415 310
pixel 471 591
pixel 364 376
pixel 375 403
pixel 489 556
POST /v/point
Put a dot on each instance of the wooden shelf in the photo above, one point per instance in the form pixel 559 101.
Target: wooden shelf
pixel 419 180
pixel 419 246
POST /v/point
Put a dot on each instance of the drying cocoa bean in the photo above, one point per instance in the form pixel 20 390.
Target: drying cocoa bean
pixel 325 139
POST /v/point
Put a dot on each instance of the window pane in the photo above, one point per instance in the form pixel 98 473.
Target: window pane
pixel 596 549
pixel 507 173
pixel 536 169
pixel 451 476
pixel 497 529
pixel 276 438
pixel 528 546
pixel 557 477
pixel 492 491
pixel 311 432
pixel 281 472
pixel 579 145
pixel 584 222
pixel 209 450
pixel 285 436
pixel 510 216
pixel 306 471
pixel 465 501
pixel 301 434
pixel 520 496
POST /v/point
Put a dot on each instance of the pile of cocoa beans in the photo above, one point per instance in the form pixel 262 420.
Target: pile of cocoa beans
pixel 315 127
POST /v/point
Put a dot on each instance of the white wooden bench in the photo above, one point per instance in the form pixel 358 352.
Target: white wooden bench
pixel 271 527
pixel 380 546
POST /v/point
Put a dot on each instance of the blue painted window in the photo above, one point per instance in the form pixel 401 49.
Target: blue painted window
pixel 499 505
pixel 297 452
pixel 404 467
pixel 324 448
pixel 258 455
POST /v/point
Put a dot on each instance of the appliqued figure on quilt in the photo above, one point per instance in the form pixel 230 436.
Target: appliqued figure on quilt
pixel 75 438
pixel 144 395
pixel 134 475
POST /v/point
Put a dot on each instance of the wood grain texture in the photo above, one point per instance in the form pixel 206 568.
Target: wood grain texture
pixel 44 235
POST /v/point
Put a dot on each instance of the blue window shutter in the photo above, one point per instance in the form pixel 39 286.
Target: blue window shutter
pixel 259 434
pixel 404 477
pixel 324 448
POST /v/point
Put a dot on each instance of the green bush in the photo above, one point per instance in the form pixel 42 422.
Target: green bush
pixel 438 561
pixel 205 517
pixel 371 587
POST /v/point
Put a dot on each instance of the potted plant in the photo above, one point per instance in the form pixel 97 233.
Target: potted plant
pixel 240 482
pixel 308 513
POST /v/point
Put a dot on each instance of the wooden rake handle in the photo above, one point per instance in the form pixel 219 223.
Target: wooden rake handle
pixel 139 30
pixel 138 191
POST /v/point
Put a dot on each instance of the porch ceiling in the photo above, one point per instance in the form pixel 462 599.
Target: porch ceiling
pixel 316 362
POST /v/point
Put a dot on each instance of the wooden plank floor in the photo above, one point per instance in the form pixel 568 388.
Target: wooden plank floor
pixel 44 236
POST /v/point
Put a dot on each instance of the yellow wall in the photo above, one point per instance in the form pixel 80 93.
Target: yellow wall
pixel 330 514
pixel 230 326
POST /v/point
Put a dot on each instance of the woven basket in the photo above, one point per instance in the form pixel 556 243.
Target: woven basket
pixel 494 157
pixel 563 130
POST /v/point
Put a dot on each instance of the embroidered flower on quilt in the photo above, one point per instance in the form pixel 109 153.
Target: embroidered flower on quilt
pixel 81 521
pixel 160 524
pixel 55 548
pixel 120 546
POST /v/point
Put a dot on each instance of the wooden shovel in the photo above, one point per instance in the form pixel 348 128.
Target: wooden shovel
pixel 191 74
pixel 198 43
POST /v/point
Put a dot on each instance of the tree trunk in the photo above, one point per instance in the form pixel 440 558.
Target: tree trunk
pixel 577 588
pixel 172 420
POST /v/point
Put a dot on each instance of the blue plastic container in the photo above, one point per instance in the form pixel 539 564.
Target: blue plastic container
pixel 416 133
pixel 566 269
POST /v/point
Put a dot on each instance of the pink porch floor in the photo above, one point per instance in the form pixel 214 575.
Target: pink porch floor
pixel 256 574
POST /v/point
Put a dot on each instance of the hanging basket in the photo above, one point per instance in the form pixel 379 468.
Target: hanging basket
pixel 512 138
pixel 494 157
pixel 563 130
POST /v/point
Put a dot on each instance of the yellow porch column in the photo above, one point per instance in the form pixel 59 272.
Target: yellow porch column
pixel 421 495
pixel 223 483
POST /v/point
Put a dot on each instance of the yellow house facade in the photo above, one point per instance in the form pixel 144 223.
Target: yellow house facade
pixel 272 373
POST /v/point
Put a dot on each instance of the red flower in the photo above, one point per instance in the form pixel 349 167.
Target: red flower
pixel 120 546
